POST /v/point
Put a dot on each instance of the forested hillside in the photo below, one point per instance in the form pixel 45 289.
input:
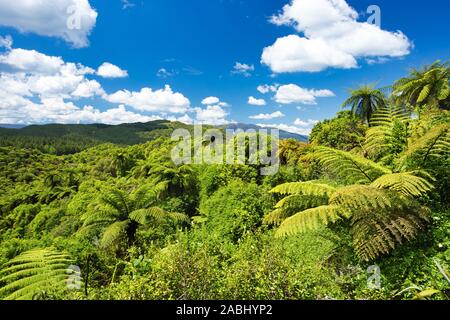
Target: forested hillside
pixel 367 193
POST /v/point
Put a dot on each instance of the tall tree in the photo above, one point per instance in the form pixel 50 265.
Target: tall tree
pixel 364 101
pixel 122 214
pixel 426 87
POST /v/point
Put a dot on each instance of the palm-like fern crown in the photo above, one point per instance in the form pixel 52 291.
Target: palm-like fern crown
pixel 122 213
pixel 364 101
pixel 34 272
pixel 428 86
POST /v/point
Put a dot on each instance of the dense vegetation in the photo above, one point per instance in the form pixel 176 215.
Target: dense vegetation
pixel 370 188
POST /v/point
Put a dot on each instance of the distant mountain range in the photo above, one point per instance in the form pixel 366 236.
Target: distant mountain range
pixel 122 134
pixel 12 126
pixel 283 134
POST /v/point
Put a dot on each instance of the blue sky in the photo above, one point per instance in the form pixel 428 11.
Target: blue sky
pixel 164 57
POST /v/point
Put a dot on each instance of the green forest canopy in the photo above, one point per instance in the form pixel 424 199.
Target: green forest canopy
pixel 371 187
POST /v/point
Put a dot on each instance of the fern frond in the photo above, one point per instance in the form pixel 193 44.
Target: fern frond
pixel 378 234
pixel 32 272
pixel 405 183
pixel 309 188
pixel 435 143
pixel 114 232
pixel 349 167
pixel 361 197
pixel 292 204
pixel 310 219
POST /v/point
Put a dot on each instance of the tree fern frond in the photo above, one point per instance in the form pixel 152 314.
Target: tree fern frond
pixel 349 167
pixel 376 235
pixel 309 188
pixel 32 272
pixel 405 183
pixel 361 197
pixel 113 232
pixel 435 143
pixel 292 204
pixel 310 219
pixel 276 217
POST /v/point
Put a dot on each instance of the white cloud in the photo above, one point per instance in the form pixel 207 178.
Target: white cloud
pixel 265 88
pixel 162 100
pixel 214 115
pixel 31 61
pixel 332 38
pixel 41 76
pixel 305 123
pixel 108 70
pixel 256 102
pixel 243 69
pixel 37 88
pixel 71 20
pixel 210 101
pixel 292 93
pixel 288 128
pixel 88 88
pixel 268 116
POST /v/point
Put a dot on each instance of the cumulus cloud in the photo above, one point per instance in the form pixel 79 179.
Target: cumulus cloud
pixel 37 88
pixel 109 70
pixel 305 123
pixel 213 114
pixel 243 69
pixel 88 88
pixel 266 88
pixel 287 127
pixel 333 38
pixel 256 102
pixel 210 101
pixel 292 93
pixel 268 116
pixel 162 100
pixel 71 20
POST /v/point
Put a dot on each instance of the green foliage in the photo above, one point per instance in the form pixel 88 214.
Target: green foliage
pixel 236 209
pixel 364 101
pixel 426 87
pixel 348 167
pixel 141 227
pixel 344 132
pixel 32 273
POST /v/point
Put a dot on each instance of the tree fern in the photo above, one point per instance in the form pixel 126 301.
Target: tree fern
pixel 405 183
pixel 435 143
pixel 120 214
pixel 388 134
pixel 382 214
pixel 310 219
pixel 290 205
pixel 349 167
pixel 33 272
pixel 309 188
pixel 379 232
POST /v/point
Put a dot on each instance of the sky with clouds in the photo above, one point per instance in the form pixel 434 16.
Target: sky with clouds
pixel 281 63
